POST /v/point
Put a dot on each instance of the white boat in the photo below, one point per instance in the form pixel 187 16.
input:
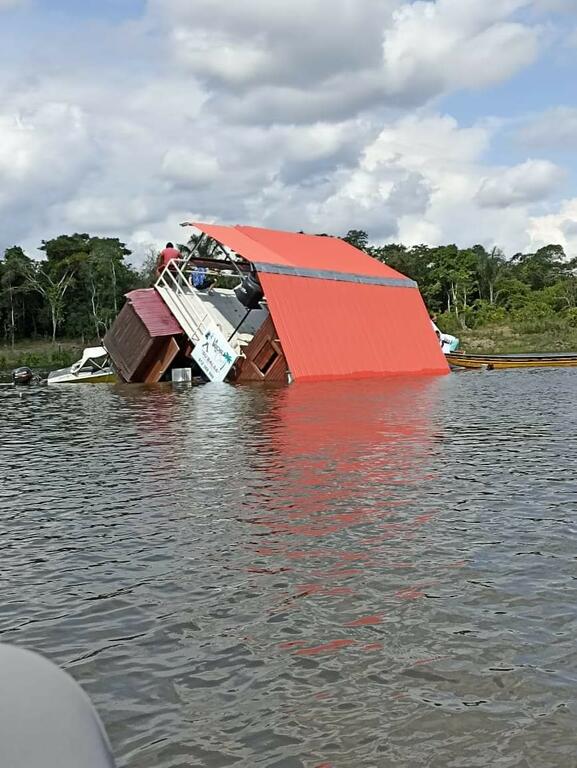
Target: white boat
pixel 93 368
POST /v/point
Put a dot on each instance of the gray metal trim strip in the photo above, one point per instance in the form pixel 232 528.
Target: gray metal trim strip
pixel 341 277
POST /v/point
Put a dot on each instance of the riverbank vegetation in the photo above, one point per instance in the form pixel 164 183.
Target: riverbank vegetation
pixel 527 302
pixel 41 354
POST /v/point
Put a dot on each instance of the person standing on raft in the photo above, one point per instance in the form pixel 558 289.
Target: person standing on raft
pixel 167 255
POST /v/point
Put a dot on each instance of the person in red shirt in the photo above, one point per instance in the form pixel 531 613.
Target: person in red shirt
pixel 166 256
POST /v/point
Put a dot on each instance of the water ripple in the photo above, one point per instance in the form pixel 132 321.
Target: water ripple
pixel 367 574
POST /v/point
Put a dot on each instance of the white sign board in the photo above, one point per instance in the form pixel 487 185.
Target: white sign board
pixel 214 354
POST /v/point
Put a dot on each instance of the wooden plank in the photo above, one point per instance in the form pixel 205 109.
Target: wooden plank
pixel 163 359
pixel 128 343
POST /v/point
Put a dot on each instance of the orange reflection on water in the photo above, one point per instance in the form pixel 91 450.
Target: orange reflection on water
pixel 332 645
pixel 366 621
pixel 350 460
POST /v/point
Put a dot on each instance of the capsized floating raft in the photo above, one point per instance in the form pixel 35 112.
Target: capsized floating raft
pixel 498 362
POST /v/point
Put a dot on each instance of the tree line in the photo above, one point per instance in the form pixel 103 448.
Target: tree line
pixel 77 289
pixel 469 288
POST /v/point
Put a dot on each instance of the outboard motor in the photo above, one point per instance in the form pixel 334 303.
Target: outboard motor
pixel 22 376
pixel 250 292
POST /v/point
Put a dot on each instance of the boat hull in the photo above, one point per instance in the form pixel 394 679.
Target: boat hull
pixel 65 376
pixel 501 362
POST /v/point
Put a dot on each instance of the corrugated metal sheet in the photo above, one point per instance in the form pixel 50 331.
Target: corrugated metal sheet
pixel 333 319
pixel 332 329
pixel 245 246
pixel 289 249
pixel 315 252
pixel 156 316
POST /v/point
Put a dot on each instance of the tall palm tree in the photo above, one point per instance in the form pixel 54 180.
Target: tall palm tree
pixel 489 268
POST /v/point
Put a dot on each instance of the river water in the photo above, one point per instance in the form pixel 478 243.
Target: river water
pixel 363 574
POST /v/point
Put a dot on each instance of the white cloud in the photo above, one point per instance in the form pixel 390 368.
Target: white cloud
pixel 263 62
pixel 301 43
pixel 321 59
pixel 44 152
pixel 339 98
pixel 185 166
pixel 415 167
pixel 434 47
pixel 418 181
pixel 282 114
pixel 431 142
pixel 560 227
pixel 220 58
pixel 100 213
pixel 529 182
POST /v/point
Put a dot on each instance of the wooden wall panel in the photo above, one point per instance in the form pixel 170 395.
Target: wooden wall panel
pixel 265 360
pixel 165 353
pixel 128 343
pixel 138 358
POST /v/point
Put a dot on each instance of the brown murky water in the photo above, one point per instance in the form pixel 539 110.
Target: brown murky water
pixel 371 574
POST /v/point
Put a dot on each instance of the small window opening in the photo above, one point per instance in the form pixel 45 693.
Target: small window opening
pixel 266 358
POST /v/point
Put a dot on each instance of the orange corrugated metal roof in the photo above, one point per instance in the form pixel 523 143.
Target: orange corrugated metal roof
pixel 332 329
pixel 318 252
pixel 291 249
pixel 233 238
pixel 338 312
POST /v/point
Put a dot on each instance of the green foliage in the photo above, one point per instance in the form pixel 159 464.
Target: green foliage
pixel 448 322
pixel 41 355
pixel 77 290
pixel 535 317
pixel 570 316
pixel 543 268
pixel 473 288
pixel 16 308
pixel 357 238
pixel 486 314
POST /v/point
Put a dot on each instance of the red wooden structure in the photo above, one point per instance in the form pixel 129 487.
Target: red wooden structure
pixel 143 340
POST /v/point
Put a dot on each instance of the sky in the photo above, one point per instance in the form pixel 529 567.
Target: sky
pixel 432 121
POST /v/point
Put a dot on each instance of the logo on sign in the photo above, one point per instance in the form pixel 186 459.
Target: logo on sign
pixel 214 355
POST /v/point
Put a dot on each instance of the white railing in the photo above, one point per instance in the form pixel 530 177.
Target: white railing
pixel 182 300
